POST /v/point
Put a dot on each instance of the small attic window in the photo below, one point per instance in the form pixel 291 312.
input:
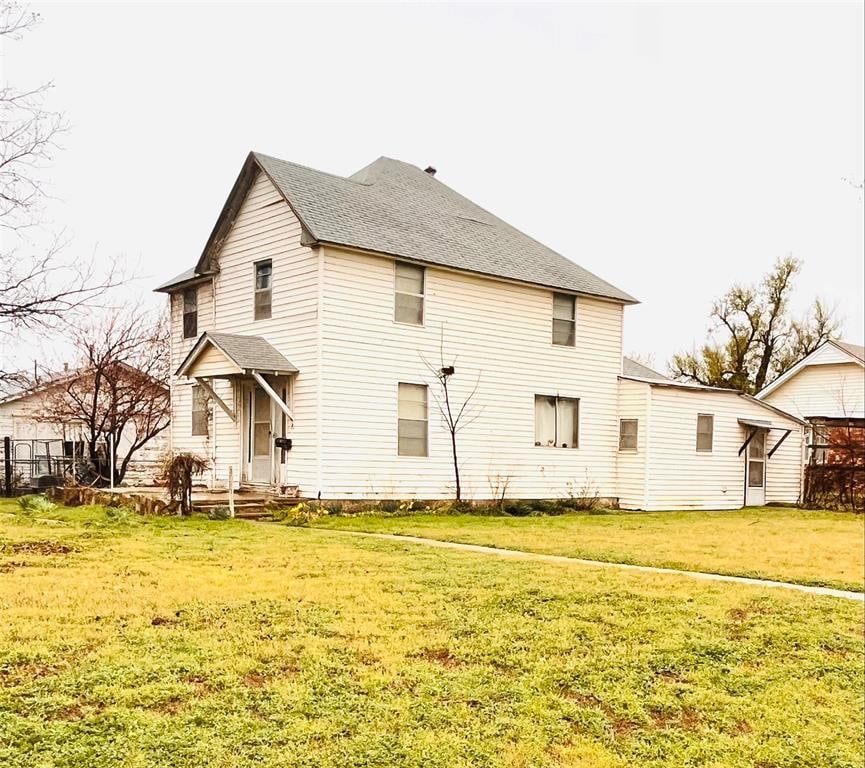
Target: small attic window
pixel 263 289
pixel 190 313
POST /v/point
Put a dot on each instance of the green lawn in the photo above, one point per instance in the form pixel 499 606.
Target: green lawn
pixel 127 641
pixel 820 548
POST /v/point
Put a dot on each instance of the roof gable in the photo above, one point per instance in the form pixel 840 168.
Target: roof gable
pixel 396 209
pixel 227 354
pixel 828 353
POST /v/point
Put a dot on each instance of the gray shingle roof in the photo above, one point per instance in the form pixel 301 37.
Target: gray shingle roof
pixel 640 371
pixel 856 350
pixel 251 353
pixel 395 208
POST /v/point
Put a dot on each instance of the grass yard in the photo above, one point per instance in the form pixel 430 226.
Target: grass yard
pixel 809 547
pixel 127 641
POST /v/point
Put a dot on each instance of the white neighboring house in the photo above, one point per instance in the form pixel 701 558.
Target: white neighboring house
pixel 687 446
pixel 299 340
pixel 827 389
pixel 40 447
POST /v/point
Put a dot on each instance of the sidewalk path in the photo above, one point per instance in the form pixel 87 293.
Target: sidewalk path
pixel 514 553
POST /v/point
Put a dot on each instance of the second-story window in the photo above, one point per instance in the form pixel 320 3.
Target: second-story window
pixel 263 289
pixel 190 313
pixel 409 293
pixel 564 320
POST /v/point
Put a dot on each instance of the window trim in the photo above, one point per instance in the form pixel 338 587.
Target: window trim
pixel 557 398
pixel 553 318
pixel 711 448
pixel 191 291
pixel 421 296
pixel 196 389
pixel 636 448
pixel 426 453
pixel 256 290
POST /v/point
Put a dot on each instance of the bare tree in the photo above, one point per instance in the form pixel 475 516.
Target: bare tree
pixel 37 283
pixel 120 389
pixel 456 412
pixel 753 337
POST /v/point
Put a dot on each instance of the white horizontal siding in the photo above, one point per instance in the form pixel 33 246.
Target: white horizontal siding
pixel 680 477
pixel 265 228
pixel 634 402
pixel 493 330
pixel 835 389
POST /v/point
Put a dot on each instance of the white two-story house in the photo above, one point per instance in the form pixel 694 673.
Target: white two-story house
pixel 306 339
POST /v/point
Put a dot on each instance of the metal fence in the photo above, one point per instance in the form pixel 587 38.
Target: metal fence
pixel 36 464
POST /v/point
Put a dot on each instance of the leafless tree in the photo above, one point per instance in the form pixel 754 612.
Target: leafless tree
pixel 120 388
pixel 457 412
pixel 38 283
pixel 753 338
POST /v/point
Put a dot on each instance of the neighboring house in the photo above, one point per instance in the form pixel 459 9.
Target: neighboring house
pixel 40 446
pixel 827 389
pixel 299 342
pixel 687 446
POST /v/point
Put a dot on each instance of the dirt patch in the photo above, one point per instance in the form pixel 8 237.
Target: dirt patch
pixel 621 726
pixel 169 707
pixel 38 547
pixel 687 719
pixel 441 656
pixel 11 565
pixel 28 671
pixel 255 680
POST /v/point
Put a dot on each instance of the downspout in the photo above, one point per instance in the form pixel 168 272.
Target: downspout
pixel 215 415
pixel 647 454
pixel 319 372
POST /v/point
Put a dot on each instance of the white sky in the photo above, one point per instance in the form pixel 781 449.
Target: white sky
pixel 672 149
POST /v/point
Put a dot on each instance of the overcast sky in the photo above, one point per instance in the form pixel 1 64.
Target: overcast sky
pixel 671 149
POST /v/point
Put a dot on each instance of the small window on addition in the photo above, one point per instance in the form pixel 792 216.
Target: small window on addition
pixel 564 320
pixel 408 293
pixel 628 435
pixel 190 313
pixel 200 411
pixel 263 289
pixel 705 432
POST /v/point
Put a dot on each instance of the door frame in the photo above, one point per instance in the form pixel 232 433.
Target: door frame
pixel 755 495
pixel 279 426
pixel 249 392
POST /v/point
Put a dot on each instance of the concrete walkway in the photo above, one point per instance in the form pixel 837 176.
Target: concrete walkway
pixel 514 553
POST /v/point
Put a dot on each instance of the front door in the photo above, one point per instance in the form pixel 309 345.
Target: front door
pixel 755 471
pixel 259 437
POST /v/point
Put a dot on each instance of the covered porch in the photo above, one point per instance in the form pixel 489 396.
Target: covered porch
pixel 257 403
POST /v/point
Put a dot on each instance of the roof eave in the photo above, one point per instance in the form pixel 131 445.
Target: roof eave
pixel 630 300
pixel 172 287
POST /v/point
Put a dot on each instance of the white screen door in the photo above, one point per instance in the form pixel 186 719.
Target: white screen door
pixel 260 436
pixel 755 471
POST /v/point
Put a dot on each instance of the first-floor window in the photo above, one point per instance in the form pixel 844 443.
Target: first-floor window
pixel 557 421
pixel 412 425
pixel 705 432
pixel 628 434
pixel 200 411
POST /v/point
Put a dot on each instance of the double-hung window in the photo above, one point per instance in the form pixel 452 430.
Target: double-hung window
pixel 705 432
pixel 413 420
pixel 263 289
pixel 628 435
pixel 200 411
pixel 190 313
pixel 564 320
pixel 408 293
pixel 557 421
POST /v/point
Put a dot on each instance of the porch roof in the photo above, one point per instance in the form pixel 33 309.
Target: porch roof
pixel 226 354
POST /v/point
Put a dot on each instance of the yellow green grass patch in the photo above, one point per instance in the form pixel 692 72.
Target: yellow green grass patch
pixel 808 547
pixel 143 642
